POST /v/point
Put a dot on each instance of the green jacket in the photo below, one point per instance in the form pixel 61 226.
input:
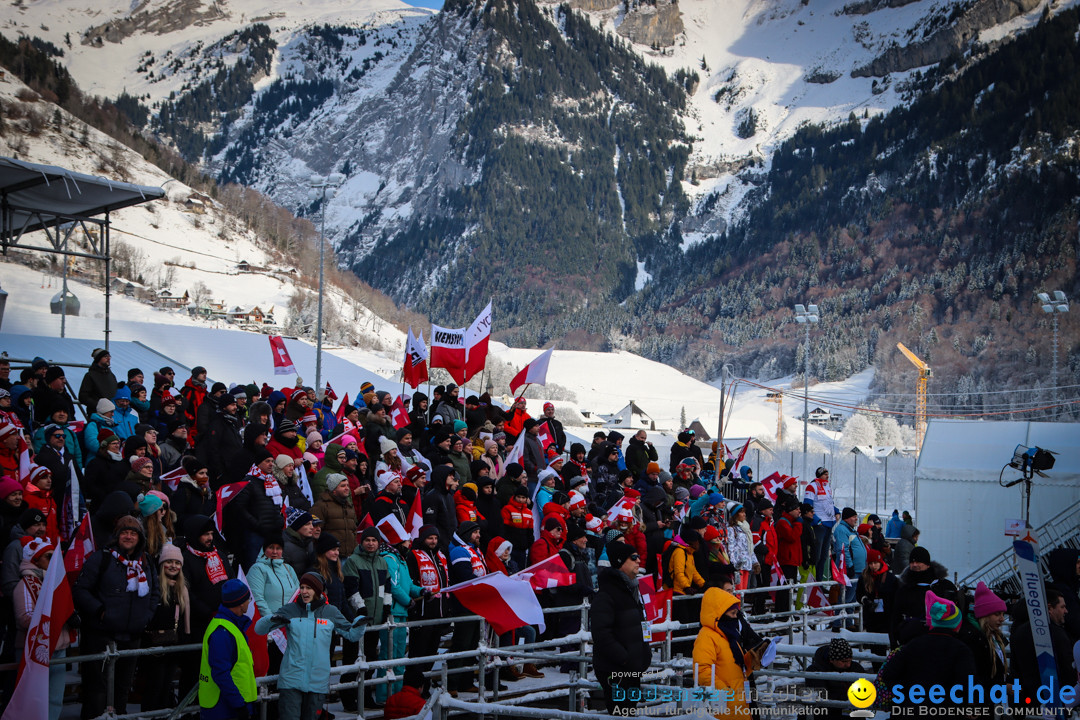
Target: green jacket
pixel 367 584
pixel 330 465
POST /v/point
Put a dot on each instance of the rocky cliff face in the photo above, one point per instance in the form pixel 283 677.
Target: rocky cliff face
pixel 653 25
pixel 948 40
pixel 169 17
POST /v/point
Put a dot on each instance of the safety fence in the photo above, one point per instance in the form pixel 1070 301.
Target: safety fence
pixel 665 673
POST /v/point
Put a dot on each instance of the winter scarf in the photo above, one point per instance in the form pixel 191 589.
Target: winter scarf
pixel 215 569
pixel 732 630
pixel 270 484
pixel 136 574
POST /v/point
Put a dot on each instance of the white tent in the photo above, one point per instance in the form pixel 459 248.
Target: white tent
pixel 960 507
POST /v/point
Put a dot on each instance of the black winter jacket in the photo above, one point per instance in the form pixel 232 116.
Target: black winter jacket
pixel 102 598
pixel 256 511
pixel 616 616
pixel 439 509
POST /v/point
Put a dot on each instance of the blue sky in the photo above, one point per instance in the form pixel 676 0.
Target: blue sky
pixel 433 4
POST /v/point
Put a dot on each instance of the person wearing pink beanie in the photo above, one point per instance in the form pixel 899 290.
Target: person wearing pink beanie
pixel 989 644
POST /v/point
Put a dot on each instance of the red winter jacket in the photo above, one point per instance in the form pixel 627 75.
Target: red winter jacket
pixel 635 537
pixel 789 541
pixel 544 548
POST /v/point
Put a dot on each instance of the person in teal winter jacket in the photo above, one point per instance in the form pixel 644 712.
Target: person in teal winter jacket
pixel 304 680
pixel 102 418
pixel 404 591
pixel 272 580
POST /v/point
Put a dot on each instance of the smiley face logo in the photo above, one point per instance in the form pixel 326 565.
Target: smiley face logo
pixel 862 693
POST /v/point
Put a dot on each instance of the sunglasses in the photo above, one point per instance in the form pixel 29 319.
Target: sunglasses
pixel 635 557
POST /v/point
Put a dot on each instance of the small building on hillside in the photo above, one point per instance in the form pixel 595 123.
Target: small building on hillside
pixel 699 431
pixel 166 299
pixel 630 417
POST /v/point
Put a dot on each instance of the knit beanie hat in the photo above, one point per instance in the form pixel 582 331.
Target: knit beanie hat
pixel 282 461
pixel 35 548
pixel 574 531
pixel 986 602
pixel 710 534
pixel 326 543
pixel 942 613
pixel 514 471
pixel 386 445
pixel 715 498
pixel 333 480
pixel 919 554
pixel 848 513
pixel 612 535
pixel 313 581
pixel 8 485
pixel 149 504
pixel 297 518
pixel 696 491
pixel 138 463
pixel 104 406
pixel 171 552
pixel 234 593
pixel 839 649
pixel 652 469
pixel 313 437
pixel 618 553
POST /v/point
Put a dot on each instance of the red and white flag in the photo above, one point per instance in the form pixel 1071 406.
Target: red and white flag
pixel 544 436
pixel 329 395
pixel 225 495
pixel 772 485
pixel 817 599
pixel 506 602
pixel 340 414
pixel 415 520
pixel 283 364
pixel 777 575
pixel 476 343
pixel 535 373
pixel 621 510
pixel 364 523
pixel 548 573
pixel 517 452
pixel 172 478
pixel 448 351
pixel 655 602
pixel 30 700
pixel 839 572
pixel 391 530
pixel 398 416
pixel 416 360
pixel 260 656
pixel 81 546
pixel 742 454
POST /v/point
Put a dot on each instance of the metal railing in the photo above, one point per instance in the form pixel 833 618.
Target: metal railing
pixel 670 667
pixel 1062 530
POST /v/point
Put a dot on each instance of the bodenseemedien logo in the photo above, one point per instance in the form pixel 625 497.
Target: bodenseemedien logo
pixel 862 695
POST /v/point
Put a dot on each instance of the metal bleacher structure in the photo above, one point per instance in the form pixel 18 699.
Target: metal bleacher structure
pixel 1062 530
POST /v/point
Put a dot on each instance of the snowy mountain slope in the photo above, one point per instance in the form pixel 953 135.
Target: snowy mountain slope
pixel 123 36
pixel 175 245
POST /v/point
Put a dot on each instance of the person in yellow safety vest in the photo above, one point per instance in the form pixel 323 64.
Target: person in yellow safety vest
pixel 227 673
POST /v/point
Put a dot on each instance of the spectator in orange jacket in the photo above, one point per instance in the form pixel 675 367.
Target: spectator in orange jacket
pixel 38 495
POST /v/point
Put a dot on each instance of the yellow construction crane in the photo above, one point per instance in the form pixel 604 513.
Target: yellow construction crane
pixel 925 373
pixel 778 398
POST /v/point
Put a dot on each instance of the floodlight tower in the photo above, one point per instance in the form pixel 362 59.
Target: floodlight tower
pixel 1055 306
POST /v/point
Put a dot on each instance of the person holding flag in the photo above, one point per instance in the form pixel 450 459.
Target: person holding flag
pixel 116 596
pixel 227 670
pixel 36 556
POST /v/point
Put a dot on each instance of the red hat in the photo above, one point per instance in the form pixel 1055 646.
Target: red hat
pixel 37 471
pixel 865 529
pixel 34 548
pixel 548 406
pixel 631 493
pixel 711 533
pixel 790 481
pixel 105 436
pixel 519 399
pixel 576 499
pixel 7 428
pixel 416 472
pixel 873 555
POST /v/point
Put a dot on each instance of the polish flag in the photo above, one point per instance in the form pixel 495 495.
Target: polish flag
pixel 548 573
pixel 391 530
pixel 283 364
pixel 259 655
pixel 340 414
pixel 621 510
pixel 517 452
pixel 54 606
pixel 448 351
pixel 476 343
pixel 172 478
pixel 415 520
pixel 398 416
pixel 535 373
pixel 81 546
pixel 416 360
pixel 506 602
pixel 225 495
